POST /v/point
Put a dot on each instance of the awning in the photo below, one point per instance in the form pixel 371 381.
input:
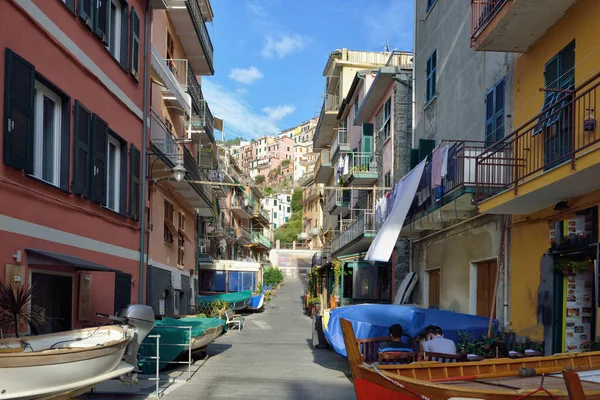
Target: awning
pixel 42 257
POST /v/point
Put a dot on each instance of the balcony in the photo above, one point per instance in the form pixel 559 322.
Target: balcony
pixel 168 73
pixel 223 230
pixel 314 231
pixel 198 195
pixel 341 144
pixel 260 240
pixel 362 169
pixel 190 26
pixel 323 167
pixel 260 214
pixel 218 176
pixel 164 144
pixel 302 236
pixel 338 201
pixel 241 206
pixel 436 208
pixel 242 234
pixel 327 121
pixel 310 193
pixel 552 157
pixel 202 123
pixel 513 26
pixel 355 236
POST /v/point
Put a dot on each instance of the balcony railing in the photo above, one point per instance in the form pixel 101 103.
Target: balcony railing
pixel 460 174
pixel 565 130
pixel 179 68
pixel 200 23
pixel 341 139
pixel 164 140
pixel 331 102
pixel 482 12
pixel 258 238
pixel 239 201
pixel 362 163
pixel 314 231
pixel 191 166
pixel 243 233
pixel 338 197
pixel 357 228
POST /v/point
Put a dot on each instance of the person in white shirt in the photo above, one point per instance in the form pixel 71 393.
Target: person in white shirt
pixel 436 342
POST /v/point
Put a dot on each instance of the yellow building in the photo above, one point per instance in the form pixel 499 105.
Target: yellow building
pixel 545 173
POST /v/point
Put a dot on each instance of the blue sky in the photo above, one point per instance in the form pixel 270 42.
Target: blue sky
pixel 270 55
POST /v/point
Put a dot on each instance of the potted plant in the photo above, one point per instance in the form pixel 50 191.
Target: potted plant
pixel 572 267
pixel 314 305
pixel 16 308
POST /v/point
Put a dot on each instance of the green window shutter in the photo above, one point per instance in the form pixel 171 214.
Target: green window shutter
pixel 123 180
pixel 85 10
pixel 19 99
pixel 489 117
pixel 414 158
pixel 71 5
pixel 134 48
pixel 101 19
pixel 426 146
pixel 124 56
pixel 98 160
pixel 499 94
pixel 134 186
pixel 81 150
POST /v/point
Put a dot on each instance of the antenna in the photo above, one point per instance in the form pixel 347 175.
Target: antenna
pixel 387 45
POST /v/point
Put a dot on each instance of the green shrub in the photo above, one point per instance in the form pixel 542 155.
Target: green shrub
pixel 272 276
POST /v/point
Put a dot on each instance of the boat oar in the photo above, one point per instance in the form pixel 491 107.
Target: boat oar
pixel 523 373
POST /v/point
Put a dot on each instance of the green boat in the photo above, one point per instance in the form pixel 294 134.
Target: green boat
pixel 174 339
pixel 237 300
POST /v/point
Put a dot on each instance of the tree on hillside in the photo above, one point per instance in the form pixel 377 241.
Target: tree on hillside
pixel 289 232
pixel 267 191
pixel 233 142
pixel 259 179
pixel 297 201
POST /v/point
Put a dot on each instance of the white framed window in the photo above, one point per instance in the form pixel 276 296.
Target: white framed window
pixel 46 164
pixel 113 175
pixel 114 27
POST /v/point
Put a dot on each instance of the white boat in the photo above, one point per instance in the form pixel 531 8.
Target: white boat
pixel 69 363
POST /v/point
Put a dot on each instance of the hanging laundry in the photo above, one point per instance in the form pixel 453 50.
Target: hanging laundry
pixel 346 164
pixel 436 167
pixel 445 160
pixel 452 162
pixel 384 207
pixel 378 212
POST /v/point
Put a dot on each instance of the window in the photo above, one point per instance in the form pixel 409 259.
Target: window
pixel 274 202
pixel 114 28
pixel 288 209
pixel 47 135
pixel 113 153
pixel 135 44
pixel 431 77
pixel 388 180
pixel 274 226
pixel 286 219
pixel 275 214
pixel 387 114
pixel 181 239
pixel 288 199
pixel 494 113
pixel 430 4
pixel 355 107
pixel 169 229
pixel 434 287
pixel 212 281
pixel 36 124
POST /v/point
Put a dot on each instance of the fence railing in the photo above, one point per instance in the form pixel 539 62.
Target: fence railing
pixel 482 12
pixel 340 138
pixel 362 163
pixel 163 139
pixel 565 130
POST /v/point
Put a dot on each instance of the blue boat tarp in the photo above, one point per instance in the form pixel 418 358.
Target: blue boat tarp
pixel 256 302
pixel 374 320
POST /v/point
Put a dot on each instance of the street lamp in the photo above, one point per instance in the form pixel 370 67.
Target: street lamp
pixel 178 171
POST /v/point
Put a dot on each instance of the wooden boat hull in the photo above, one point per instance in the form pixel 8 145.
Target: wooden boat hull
pixel 495 379
pixel 207 338
pixel 73 365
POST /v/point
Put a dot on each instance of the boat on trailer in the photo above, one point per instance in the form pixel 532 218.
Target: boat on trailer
pixel 492 379
pixel 70 363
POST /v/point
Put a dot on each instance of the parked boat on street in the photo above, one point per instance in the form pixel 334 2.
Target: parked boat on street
pixel 69 363
pixel 237 301
pixel 495 379
pixel 256 302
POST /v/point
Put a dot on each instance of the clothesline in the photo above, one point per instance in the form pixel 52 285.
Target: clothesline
pixel 325 187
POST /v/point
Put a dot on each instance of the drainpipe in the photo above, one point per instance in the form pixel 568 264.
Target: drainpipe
pixel 143 156
pixel 505 262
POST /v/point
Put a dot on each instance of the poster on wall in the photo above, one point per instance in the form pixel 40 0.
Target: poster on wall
pixel 579 296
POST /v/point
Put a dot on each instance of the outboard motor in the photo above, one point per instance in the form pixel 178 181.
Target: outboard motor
pixel 141 320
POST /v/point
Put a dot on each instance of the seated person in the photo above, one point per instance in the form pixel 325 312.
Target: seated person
pixel 436 342
pixel 395 342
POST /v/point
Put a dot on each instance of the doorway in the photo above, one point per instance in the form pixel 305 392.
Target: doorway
pixel 53 294
pixel 486 279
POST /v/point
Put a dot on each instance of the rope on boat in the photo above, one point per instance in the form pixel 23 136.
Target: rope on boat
pixel 540 389
pixel 401 386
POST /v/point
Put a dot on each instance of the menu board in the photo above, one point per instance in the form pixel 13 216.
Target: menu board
pixel 578 329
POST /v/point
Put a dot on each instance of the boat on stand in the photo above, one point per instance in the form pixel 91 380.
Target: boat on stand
pixel 491 379
pixel 66 364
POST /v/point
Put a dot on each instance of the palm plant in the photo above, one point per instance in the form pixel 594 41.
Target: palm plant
pixel 15 307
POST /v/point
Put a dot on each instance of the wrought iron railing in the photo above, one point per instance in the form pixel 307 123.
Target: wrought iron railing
pixel 239 201
pixel 565 130
pixel 200 24
pixel 258 238
pixel 338 197
pixel 362 163
pixel 163 139
pixel 179 68
pixel 258 211
pixel 195 174
pixel 363 224
pixel 482 12
pixel 243 233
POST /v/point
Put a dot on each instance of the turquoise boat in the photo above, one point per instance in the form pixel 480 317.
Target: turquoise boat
pixel 174 339
pixel 237 300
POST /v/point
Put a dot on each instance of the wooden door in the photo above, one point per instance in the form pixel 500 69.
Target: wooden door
pixel 434 288
pixel 486 279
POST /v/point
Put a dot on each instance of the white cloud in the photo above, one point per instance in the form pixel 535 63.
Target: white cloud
pixel 247 76
pixel 279 112
pixel 239 117
pixel 283 46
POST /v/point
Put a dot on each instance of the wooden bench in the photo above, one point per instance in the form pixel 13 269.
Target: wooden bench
pixel 369 348
pixel 396 357
pixel 445 358
pixel 233 319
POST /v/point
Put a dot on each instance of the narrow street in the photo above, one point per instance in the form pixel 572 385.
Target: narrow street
pixel 271 358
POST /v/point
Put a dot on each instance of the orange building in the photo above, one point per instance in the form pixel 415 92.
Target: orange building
pixel 74 80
